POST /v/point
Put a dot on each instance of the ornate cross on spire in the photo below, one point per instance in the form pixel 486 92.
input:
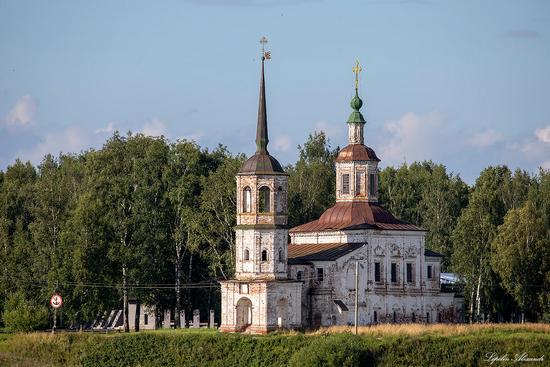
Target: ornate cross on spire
pixel 357 69
pixel 265 55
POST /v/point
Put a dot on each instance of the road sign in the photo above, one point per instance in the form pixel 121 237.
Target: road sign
pixel 56 301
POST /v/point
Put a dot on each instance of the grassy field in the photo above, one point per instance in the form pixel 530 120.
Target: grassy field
pixel 383 345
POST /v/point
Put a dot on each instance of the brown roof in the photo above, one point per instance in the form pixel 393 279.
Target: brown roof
pixel 357 152
pixel 261 163
pixel 355 215
pixel 320 251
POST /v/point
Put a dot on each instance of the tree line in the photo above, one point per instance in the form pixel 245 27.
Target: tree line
pixel 147 220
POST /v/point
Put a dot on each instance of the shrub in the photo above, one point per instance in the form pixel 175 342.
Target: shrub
pixel 23 315
pixel 333 350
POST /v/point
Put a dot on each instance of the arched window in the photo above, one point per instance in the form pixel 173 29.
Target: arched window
pixel 299 275
pixel 279 200
pixel 375 316
pixel 263 203
pixel 394 316
pixel 247 200
pixel 281 256
pixel 246 254
pixel 264 255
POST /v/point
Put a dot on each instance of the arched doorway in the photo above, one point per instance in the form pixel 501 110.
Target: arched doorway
pixel 244 314
pixel 282 312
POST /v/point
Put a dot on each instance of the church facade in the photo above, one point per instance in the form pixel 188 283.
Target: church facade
pixel 356 255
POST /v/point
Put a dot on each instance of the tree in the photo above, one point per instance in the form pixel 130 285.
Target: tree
pixel 218 207
pixel 425 194
pixel 521 257
pixel 494 193
pixel 312 180
pixel 183 173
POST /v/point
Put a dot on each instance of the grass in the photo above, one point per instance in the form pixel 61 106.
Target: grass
pixel 381 345
pixel 438 329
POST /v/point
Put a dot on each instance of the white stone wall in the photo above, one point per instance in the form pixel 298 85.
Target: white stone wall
pixel 420 296
pixel 274 241
pixel 357 192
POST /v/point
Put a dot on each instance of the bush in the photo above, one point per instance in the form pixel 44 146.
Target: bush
pixel 333 350
pixel 23 315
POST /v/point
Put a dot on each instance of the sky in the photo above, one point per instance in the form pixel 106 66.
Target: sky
pixel 463 83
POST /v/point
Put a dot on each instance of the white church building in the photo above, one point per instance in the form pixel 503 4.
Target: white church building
pixel 311 281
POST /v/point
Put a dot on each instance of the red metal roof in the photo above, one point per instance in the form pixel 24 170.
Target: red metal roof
pixel 355 215
pixel 356 152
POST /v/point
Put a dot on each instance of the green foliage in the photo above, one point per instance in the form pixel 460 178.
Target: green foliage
pixel 213 349
pixel 522 244
pixel 333 350
pixel 312 180
pixel 425 194
pixel 22 315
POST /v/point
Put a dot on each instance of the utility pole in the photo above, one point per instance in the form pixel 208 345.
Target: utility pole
pixel 356 295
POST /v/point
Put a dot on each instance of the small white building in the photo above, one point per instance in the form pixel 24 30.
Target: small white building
pixel 311 282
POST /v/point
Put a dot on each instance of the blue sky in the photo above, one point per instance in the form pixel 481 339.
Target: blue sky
pixel 464 83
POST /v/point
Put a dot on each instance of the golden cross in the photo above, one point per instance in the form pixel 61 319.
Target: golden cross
pixel 357 69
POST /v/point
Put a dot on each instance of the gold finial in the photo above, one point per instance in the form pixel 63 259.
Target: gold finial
pixel 357 69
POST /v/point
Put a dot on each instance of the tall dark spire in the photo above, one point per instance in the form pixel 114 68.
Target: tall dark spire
pixel 261 129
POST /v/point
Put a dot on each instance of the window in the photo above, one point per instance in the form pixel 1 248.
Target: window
pixel 413 317
pixel 246 254
pixel 359 182
pixel 394 316
pixel 409 273
pixel 279 200
pixel 264 205
pixel 264 255
pixel 281 256
pixel 320 275
pixel 299 275
pixel 375 317
pixel 247 200
pixel 430 272
pixel 394 273
pixel 145 319
pixel 345 184
pixel 244 289
pixel 439 317
pixel 372 184
pixel 427 317
pixel 376 272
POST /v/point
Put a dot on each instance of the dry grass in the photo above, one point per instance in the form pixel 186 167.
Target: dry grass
pixel 436 329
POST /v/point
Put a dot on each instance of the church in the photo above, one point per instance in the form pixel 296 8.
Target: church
pixel 357 263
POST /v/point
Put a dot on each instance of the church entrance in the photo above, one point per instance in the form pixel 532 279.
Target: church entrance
pixel 282 312
pixel 244 314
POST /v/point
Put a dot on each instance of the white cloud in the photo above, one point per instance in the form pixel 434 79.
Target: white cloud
pixel 155 127
pixel 23 112
pixel 71 140
pixel 412 137
pixel 543 134
pixel 194 136
pixel 485 139
pixel 331 130
pixel 282 143
pixel 105 130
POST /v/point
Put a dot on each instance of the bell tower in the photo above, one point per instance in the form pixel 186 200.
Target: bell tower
pixel 262 186
pixel 261 296
pixel 356 164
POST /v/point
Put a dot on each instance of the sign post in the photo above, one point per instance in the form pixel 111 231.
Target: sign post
pixel 56 301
